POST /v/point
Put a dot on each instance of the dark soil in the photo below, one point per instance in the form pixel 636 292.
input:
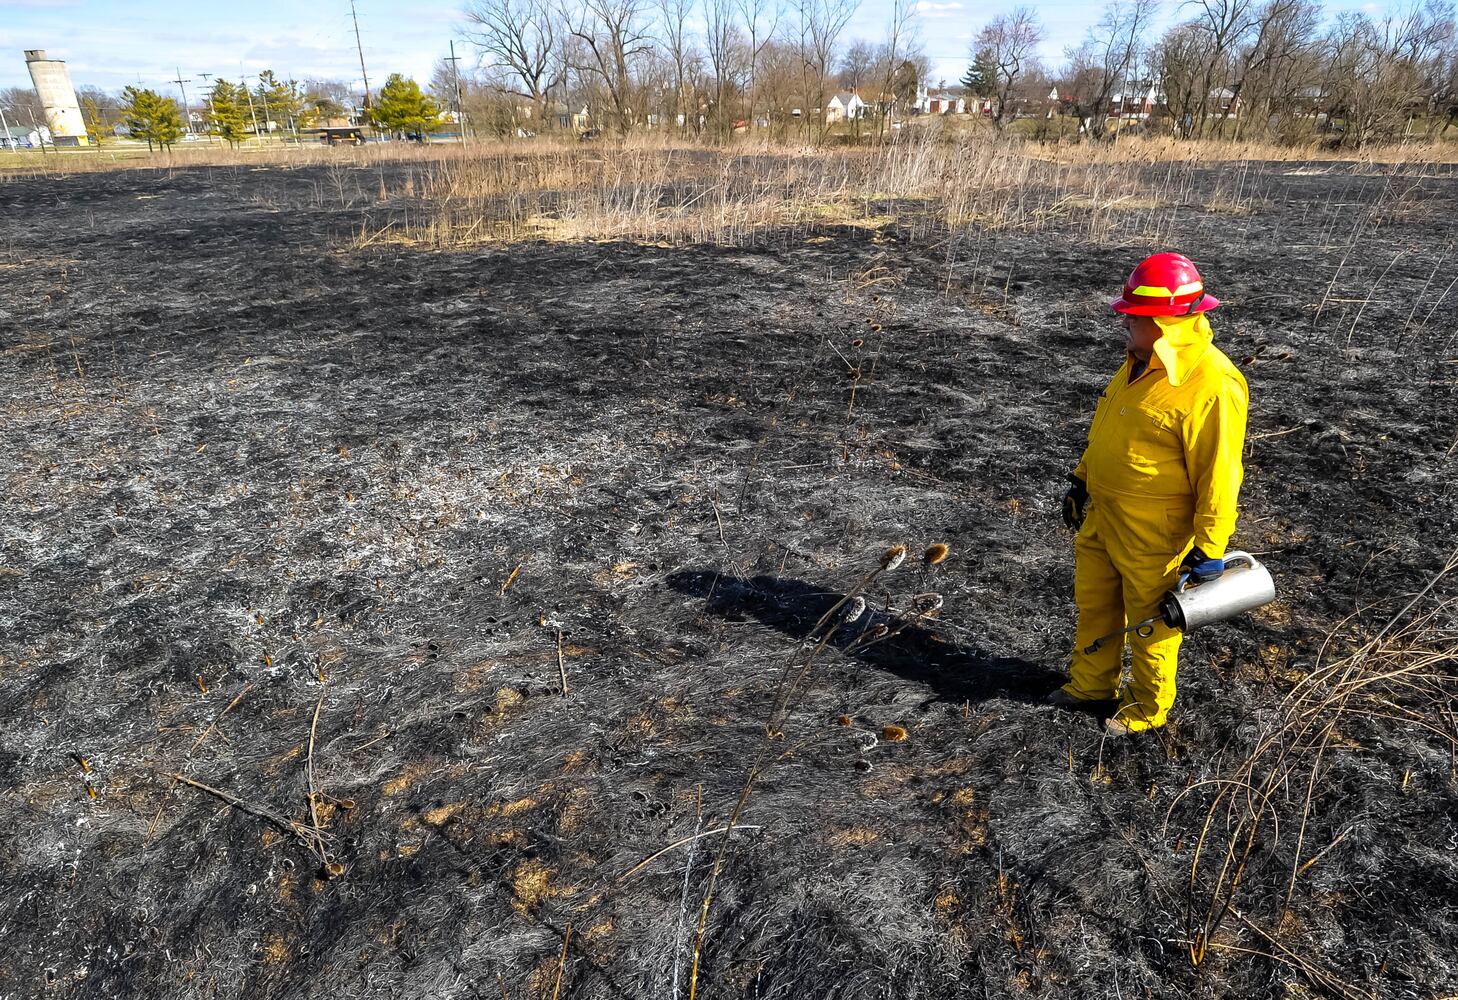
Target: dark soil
pixel 251 471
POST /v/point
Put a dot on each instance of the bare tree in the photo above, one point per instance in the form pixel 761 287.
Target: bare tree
pixel 1103 63
pixel 100 110
pixel 1008 44
pixel 857 63
pixel 519 36
pixel 725 49
pixel 491 103
pixel 612 34
pixel 22 105
pixel 760 18
pixel 780 85
pixel 700 86
pixel 1266 76
pixel 821 24
pixel 673 23
pixel 1179 67
pixel 1223 27
pixel 895 61
pixel 1381 74
pixel 1445 92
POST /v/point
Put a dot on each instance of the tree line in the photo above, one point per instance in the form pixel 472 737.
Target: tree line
pixel 235 111
pixel 705 66
pixel 1274 69
pixel 1278 69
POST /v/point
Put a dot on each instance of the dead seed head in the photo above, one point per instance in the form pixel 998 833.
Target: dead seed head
pixel 854 609
pixel 927 603
pixel 893 557
pixel 875 327
pixel 936 554
pixel 894 734
pixel 844 720
pixel 858 342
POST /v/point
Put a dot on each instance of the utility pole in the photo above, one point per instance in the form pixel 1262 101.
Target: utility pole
pixel 359 47
pixel 186 111
pixel 40 136
pixel 206 77
pixel 243 82
pixel 456 80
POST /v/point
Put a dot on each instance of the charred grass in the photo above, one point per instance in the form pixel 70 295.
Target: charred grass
pixel 316 496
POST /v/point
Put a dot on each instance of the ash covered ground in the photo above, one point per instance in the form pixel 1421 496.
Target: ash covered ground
pixel 282 512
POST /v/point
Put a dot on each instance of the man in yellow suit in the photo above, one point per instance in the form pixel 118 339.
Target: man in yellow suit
pixel 1155 493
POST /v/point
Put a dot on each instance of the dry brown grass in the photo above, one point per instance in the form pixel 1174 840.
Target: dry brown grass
pixel 110 157
pixel 664 189
pixel 663 192
pixel 1402 675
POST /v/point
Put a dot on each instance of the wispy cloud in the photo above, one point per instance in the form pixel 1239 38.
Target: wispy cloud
pixel 37 4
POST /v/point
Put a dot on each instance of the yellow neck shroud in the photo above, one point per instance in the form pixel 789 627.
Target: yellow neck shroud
pixel 1185 341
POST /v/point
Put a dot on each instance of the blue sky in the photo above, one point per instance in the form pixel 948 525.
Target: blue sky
pixel 111 43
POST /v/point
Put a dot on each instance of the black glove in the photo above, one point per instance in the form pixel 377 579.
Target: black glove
pixel 1202 568
pixel 1074 503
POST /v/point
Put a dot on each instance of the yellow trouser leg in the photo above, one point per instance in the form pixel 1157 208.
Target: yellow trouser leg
pixel 1098 590
pixel 1145 703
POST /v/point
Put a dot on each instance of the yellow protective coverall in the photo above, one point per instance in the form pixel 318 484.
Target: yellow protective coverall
pixel 1163 472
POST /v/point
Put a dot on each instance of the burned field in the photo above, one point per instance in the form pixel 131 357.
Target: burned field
pixel 304 533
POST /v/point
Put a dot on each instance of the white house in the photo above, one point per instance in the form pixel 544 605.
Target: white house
pixel 24 137
pixel 846 105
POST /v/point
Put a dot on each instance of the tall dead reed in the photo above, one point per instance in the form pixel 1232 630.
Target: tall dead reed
pixel 1255 843
pixel 923 185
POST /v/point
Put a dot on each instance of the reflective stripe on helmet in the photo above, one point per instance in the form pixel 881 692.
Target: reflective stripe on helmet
pixel 1160 291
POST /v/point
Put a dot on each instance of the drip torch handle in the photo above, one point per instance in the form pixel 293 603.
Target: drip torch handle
pixel 1143 629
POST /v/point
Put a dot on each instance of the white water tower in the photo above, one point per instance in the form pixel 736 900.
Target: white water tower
pixel 57 97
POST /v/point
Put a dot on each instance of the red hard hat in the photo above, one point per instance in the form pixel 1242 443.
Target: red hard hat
pixel 1166 284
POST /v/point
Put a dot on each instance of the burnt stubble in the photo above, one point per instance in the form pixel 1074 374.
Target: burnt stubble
pixel 288 513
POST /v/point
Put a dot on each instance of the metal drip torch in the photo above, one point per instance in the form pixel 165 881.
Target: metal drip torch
pixel 1245 585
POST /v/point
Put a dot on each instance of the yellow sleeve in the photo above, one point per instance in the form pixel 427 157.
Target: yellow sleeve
pixel 1214 438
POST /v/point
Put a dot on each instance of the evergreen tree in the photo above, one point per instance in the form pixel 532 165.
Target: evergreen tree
pixel 402 107
pixel 152 117
pixel 980 79
pixel 228 112
pixel 282 101
pixel 94 120
pixel 905 82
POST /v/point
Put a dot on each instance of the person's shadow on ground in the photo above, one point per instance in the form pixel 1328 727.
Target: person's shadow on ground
pixel 955 672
